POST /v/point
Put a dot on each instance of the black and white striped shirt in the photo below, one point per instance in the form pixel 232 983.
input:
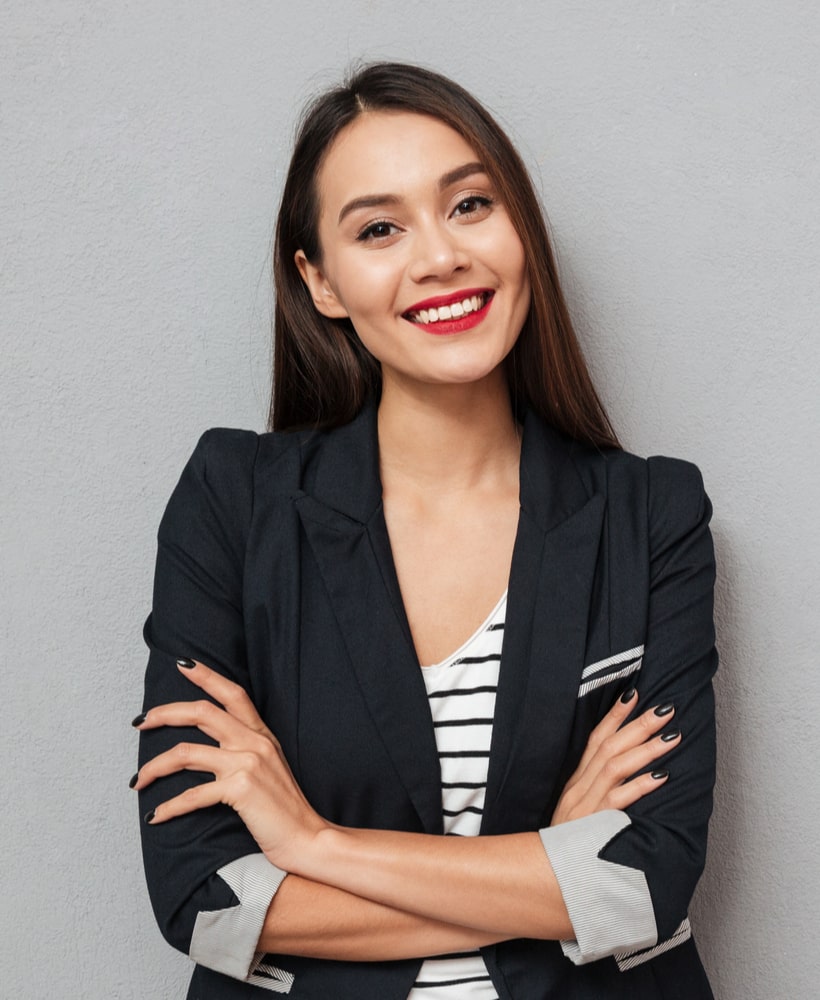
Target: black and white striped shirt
pixel 461 691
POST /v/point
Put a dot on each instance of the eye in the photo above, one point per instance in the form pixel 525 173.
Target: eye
pixel 375 231
pixel 473 204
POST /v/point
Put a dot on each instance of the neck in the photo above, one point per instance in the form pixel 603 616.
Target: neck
pixel 448 438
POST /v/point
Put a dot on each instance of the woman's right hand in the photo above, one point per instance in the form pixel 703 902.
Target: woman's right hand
pixel 251 774
pixel 614 753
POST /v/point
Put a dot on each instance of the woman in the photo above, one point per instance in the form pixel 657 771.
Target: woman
pixel 438 583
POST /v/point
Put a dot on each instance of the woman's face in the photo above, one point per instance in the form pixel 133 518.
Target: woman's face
pixel 417 251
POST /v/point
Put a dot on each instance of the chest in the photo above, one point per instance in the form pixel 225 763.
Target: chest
pixel 452 567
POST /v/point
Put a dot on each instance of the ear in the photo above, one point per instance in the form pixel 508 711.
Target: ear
pixel 324 298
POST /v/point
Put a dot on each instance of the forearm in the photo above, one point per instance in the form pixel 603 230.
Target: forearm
pixel 319 921
pixel 501 886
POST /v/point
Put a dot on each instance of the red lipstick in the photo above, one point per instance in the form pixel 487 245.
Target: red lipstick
pixel 463 309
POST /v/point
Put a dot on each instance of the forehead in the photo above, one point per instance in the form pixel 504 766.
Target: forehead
pixel 389 152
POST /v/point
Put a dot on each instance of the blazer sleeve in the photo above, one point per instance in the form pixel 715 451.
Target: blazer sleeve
pixel 210 886
pixel 628 876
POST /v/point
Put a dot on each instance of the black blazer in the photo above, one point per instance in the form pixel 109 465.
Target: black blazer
pixel 274 567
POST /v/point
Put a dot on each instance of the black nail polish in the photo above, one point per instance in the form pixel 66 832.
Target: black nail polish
pixel 665 709
pixel 139 719
pixel 668 737
pixel 628 695
pixel 186 663
pixel 134 780
pixel 660 775
pixel 150 814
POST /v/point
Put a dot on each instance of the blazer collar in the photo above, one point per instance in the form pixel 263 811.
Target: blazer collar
pixel 347 475
pixel 551 489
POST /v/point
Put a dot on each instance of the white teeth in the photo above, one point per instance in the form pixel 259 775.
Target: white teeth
pixel 454 311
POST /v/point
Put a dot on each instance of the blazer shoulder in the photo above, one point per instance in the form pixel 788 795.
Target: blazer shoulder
pixel 666 494
pixel 674 479
pixel 617 475
pixel 215 488
pixel 223 462
pixel 677 502
pixel 234 454
pixel 229 476
pixel 238 467
pixel 662 477
pixel 226 451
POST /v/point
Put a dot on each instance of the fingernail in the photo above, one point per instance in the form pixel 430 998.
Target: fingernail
pixel 668 737
pixel 665 709
pixel 657 775
pixel 628 695
pixel 186 663
pixel 139 720
pixel 150 814
pixel 134 780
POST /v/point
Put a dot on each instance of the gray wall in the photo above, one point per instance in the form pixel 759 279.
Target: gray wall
pixel 143 148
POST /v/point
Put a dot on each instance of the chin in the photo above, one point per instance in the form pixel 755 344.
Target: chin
pixel 467 375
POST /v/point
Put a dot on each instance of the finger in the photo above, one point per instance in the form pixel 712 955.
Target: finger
pixel 198 797
pixel 210 719
pixel 633 791
pixel 184 757
pixel 632 735
pixel 617 770
pixel 232 696
pixel 611 723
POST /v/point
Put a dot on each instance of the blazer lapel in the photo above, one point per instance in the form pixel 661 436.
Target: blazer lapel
pixel 551 583
pixel 341 512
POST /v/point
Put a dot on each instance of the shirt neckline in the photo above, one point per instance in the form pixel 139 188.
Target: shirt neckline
pixel 481 628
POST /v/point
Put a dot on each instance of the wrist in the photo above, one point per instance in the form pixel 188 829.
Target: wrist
pixel 318 853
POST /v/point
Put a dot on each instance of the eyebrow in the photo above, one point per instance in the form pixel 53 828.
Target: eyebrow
pixel 445 181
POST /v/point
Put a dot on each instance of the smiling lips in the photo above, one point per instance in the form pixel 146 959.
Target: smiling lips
pixel 451 313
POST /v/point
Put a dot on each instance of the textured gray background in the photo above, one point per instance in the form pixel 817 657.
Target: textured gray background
pixel 676 145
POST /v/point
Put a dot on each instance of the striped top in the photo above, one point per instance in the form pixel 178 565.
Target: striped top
pixel 461 691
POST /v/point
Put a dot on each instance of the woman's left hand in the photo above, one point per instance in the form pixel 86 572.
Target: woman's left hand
pixel 252 775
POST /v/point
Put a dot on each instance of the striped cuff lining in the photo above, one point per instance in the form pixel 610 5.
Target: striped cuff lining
pixel 225 940
pixel 628 960
pixel 609 904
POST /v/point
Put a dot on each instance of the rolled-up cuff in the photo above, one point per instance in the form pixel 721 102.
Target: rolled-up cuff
pixel 609 904
pixel 226 940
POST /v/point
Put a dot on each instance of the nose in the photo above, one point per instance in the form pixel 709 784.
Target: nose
pixel 437 252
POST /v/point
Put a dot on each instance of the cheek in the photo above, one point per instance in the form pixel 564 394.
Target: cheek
pixel 517 260
pixel 503 250
pixel 367 289
pixel 522 280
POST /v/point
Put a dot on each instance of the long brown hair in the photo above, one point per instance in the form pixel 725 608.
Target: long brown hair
pixel 322 374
